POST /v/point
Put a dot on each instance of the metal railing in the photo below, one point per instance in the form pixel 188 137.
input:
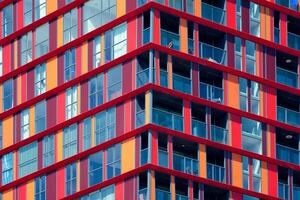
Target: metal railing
pixel 181 83
pixel 199 128
pixel 294 41
pixel 296 192
pixel 219 134
pixel 185 164
pixel 286 77
pixel 287 154
pixel 288 116
pixel 212 53
pixel 162 194
pixel 283 190
pixel 211 92
pixel 181 197
pixel 216 172
pixel 167 119
pixel 213 13
pixel 170 39
pixel 140 118
pixel 143 194
pixel 163 158
pixel 142 77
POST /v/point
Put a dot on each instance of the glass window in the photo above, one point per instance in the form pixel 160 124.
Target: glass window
pixel 96 91
pixel 97 13
pixel 114 82
pixel 97 51
pixel 105 125
pixel 24 124
pixel 238 53
pixel 40 116
pixel 70 64
pixel 48 150
pixel 27 159
pixel 253 97
pixel 71 179
pixel 8 94
pixel 7 168
pixel 27 4
pixel 108 193
pixel 42 40
pixel 256 170
pixel 250 57
pixel 70 26
pixel 87 133
pixel 40 79
pixel 7 20
pixel 113 165
pixel 243 94
pixel 95 168
pixel 254 19
pixel 40 188
pixel 70 141
pixel 190 6
pixel 26 52
pixel 68 1
pixel 238 15
pixel 39 9
pixel 251 135
pixel 71 102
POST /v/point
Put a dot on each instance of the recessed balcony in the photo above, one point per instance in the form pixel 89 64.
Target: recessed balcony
pixel 288 106
pixel 214 11
pixel 287 69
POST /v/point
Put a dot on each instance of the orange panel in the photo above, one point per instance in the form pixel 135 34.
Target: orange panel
pixel 84 57
pixel 19 89
pixel 59 31
pixel 152 186
pixel 51 6
pixel 30 190
pixel 197 8
pixel 51 73
pixel 173 196
pixel 170 72
pixel 237 169
pixel 268 24
pixel 202 158
pixel 78 176
pixel 264 178
pixel 262 22
pixel 9 194
pixel 31 121
pixel 7 138
pixel 183 35
pixel 121 8
pixel 59 144
pixel 128 155
pixel 233 88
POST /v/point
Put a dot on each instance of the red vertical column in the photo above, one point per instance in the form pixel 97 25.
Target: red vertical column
pixel 196 38
pixel 83 174
pixel 156 27
pixel 20 19
pixel 191 192
pixel 157 67
pixel 170 151
pixel 245 16
pixel 283 29
pixel 154 143
pixel 231 17
pixel 187 116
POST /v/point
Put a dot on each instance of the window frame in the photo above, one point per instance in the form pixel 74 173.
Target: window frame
pixel 7 25
pixel 70 137
pixel 99 90
pixel 40 6
pixel 114 81
pixel 7 168
pixel 70 64
pixel 48 150
pixel 91 172
pixel 71 106
pixel 41 192
pixel 115 161
pixel 10 96
pixel 25 125
pixel 87 133
pixel 38 117
pixel 72 28
pixel 26 48
pixel 40 83
pixel 41 40
pixel 72 180
pixel 28 163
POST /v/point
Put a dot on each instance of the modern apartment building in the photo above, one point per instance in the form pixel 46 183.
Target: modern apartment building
pixel 149 99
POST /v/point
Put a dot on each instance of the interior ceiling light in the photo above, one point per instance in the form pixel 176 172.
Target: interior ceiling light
pixel 288 60
pixel 288 137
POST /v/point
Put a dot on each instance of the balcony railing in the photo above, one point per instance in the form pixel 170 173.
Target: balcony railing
pixel 162 194
pixel 215 172
pixel 286 77
pixel 142 77
pixel 181 83
pixel 296 192
pixel 199 128
pixel 181 197
pixel 283 191
pixel 292 4
pixel 276 35
pixel 294 41
pixel 143 194
pixel 170 39
pixel 287 154
pixel 140 118
pixel 146 35
pixel 213 13
pixel 144 156
pixel 163 78
pixel 191 48
pixel 219 134
pixel 167 119
pixel 212 53
pixel 185 164
pixel 211 92
pixel 288 116
pixel 163 158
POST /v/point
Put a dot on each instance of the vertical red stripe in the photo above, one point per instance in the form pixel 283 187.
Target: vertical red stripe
pixel 231 18
pixel 187 116
pixel 120 120
pixel 30 84
pixel 154 152
pixel 21 191
pixel 24 86
pixel 60 3
pixel 119 191
pixel 79 21
pixel 250 174
pixel 84 174
pixel 230 49
pixel 51 111
pixel 104 165
pixel 127 78
pixel 283 29
pixel 131 35
pixel 139 29
pixel 33 46
pixel 156 27
pixel 132 105
pixel 191 192
pixel 20 14
pixel 78 61
pixel 61 98
pixel 60 183
pixel 7 60
pixel 60 69
pixel 130 188
pixel 51 191
pixel 170 151
pixel 236 129
pixel 137 151
pixel 130 5
pixel 53 35
pixel 245 16
pixel 90 55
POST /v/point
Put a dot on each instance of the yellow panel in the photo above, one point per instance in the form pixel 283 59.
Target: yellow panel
pixel 8 194
pixel 93 130
pixel 59 145
pixel 128 155
pixel 15 54
pixel 147 111
pixel 84 57
pixel 31 120
pixel 202 158
pixel 51 6
pixel 30 190
pixel 78 176
pixel 121 6
pixel 51 73
pixel 59 31
pixel 264 178
pixel 237 169
pixel 183 35
pixel 8 124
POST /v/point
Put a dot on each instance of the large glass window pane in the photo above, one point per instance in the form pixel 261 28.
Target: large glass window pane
pixel 70 64
pixel 27 159
pixel 113 165
pixel 96 91
pixel 39 9
pixel 26 52
pixel 70 141
pixel 40 79
pixel 108 193
pixel 251 135
pixel 95 168
pixel 114 82
pixel 48 150
pixel 8 94
pixel 42 40
pixel 71 179
pixel 70 26
pixel 7 20
pixel 120 40
pixel 87 133
pixel 24 124
pixel 40 188
pixel 40 116
pixel 27 5
pixel 71 102
pixel 7 168
pixel 105 125
pixel 97 52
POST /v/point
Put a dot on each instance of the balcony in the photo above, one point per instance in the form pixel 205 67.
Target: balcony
pixel 170 39
pixel 181 83
pixel 167 119
pixel 213 13
pixel 185 164
pixel 162 194
pixel 283 191
pixel 287 154
pixel 288 116
pixel 219 134
pixel 212 53
pixel 215 172
pixel 211 92
pixel 181 197
pixel 288 3
pixel 199 128
pixel 163 158
pixel 191 46
pixel 293 41
pixel 286 77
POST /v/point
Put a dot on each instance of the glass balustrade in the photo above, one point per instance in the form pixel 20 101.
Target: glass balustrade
pixel 215 172
pixel 276 35
pixel 296 192
pixel 292 4
pixel 181 197
pixel 283 190
pixel 185 164
pixel 213 13
pixel 144 156
pixel 199 128
pixel 146 35
pixel 140 118
pixel 288 116
pixel 191 48
pixel 163 78
pixel 219 134
pixel 211 92
pixel 181 84
pixel 287 154
pixel 167 119
pixel 212 53
pixel 143 194
pixel 142 77
pixel 170 39
pixel 294 41
pixel 286 77
pixel 163 158
pixel 162 194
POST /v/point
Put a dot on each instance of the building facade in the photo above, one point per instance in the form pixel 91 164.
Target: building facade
pixel 145 100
